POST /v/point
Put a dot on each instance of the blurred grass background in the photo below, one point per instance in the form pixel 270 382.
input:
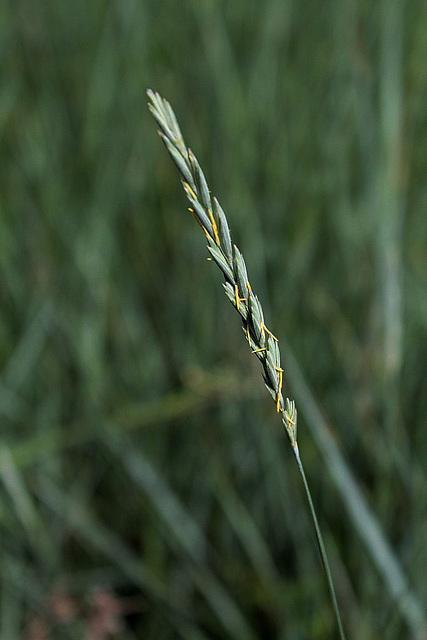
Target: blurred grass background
pixel 148 490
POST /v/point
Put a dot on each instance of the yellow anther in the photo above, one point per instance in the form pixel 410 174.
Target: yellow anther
pixel 258 350
pixel 249 287
pixel 236 295
pixel 291 419
pixel 190 190
pixel 269 332
pixel 279 391
pixel 237 298
pixel 214 227
pixel 198 221
pixel 209 259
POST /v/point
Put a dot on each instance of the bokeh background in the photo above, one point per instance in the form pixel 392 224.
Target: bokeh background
pixel 148 490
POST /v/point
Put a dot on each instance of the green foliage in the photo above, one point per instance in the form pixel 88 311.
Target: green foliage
pixel 145 481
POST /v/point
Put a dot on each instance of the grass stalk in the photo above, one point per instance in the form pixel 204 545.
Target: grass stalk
pixel 321 544
pixel 210 216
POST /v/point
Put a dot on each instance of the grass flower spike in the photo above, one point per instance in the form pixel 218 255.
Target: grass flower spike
pixel 210 216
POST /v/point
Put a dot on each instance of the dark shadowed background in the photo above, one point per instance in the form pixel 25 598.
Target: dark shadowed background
pixel 148 490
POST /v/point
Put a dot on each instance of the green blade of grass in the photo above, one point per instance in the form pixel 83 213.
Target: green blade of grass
pixel 185 531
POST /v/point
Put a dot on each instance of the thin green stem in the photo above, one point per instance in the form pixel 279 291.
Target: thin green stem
pixel 321 544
